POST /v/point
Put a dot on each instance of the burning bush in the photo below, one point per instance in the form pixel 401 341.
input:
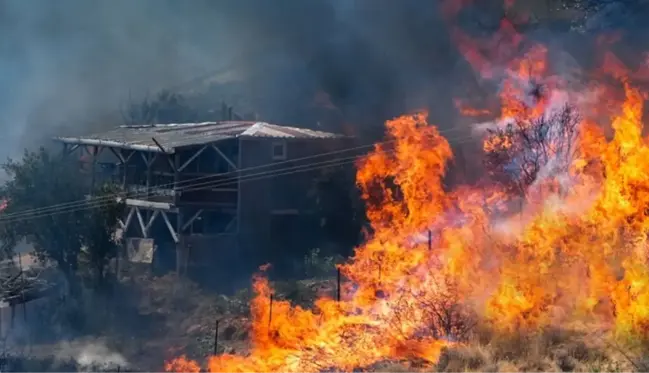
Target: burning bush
pixel 557 240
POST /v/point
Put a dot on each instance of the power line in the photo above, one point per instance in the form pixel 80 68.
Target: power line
pixel 268 165
pixel 98 203
pixel 199 186
pixel 91 205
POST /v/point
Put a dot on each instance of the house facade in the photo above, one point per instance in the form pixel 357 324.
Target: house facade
pixel 199 194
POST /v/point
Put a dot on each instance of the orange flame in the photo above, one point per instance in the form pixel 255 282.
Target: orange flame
pixel 562 267
pixel 571 250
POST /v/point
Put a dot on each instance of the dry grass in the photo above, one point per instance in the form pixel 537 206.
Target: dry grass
pixel 183 318
pixel 551 350
pixel 190 317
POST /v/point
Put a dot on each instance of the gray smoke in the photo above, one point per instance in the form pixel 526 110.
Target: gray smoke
pixel 74 62
pixel 71 62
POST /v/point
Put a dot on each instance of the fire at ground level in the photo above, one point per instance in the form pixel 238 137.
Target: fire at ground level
pixel 577 262
pixel 557 283
pixel 541 265
pixel 543 261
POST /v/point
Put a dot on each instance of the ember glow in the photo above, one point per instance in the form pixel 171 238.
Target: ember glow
pixel 566 248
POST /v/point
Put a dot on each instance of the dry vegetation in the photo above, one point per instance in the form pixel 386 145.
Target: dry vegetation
pixel 183 318
pixel 173 316
pixel 548 351
pixel 190 316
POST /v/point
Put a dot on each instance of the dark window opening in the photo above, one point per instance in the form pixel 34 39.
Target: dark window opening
pixel 279 151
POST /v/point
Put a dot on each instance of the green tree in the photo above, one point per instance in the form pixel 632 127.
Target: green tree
pixel 47 205
pixel 100 243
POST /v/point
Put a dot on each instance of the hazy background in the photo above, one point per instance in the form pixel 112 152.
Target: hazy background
pixel 73 63
pixel 70 62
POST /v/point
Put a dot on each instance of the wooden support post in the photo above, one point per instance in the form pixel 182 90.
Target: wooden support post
pixel 124 169
pixel 180 254
pixel 149 163
pixel 338 284
pixel 93 169
pixel 239 168
pixel 216 337
pixel 225 157
pixel 179 216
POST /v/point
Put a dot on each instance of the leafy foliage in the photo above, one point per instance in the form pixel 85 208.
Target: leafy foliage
pixel 98 236
pixel 49 207
pixel 37 181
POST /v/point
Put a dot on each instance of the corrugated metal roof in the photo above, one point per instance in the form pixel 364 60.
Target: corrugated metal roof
pixel 172 136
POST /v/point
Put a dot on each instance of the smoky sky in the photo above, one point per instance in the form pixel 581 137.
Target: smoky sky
pixel 70 62
pixel 73 63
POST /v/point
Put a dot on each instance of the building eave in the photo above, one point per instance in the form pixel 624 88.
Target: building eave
pixel 113 144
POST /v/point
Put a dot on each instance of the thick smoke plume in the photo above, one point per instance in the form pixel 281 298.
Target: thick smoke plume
pixel 72 63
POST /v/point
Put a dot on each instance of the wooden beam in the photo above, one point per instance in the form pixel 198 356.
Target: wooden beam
pixel 172 166
pixel 110 143
pixel 168 157
pixel 152 219
pixel 198 152
pixel 159 146
pixel 149 204
pixel 128 158
pixel 149 158
pixel 179 214
pixel 191 220
pixel 176 176
pixel 234 166
pixel 118 154
pixel 70 149
pixel 93 167
pixel 124 167
pixel 169 226
pixel 141 221
pixel 148 176
pixel 129 217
